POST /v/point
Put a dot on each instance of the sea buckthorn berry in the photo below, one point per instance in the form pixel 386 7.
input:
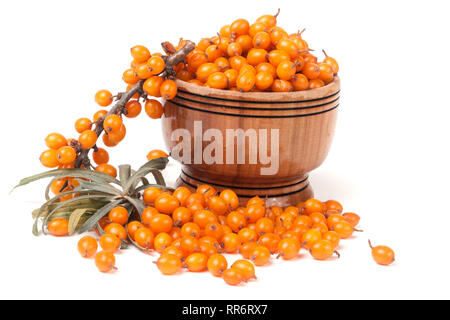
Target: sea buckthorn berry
pixel 331 61
pixel 300 82
pixel 256 56
pixel 147 215
pixel 256 28
pixel 156 65
pixel 276 34
pixel 204 217
pixel 332 237
pixel 205 70
pixel 181 215
pixel 99 114
pixel 263 80
pixel 49 158
pixel 190 229
pixel 217 205
pixel 169 264
pixel 222 63
pixel 232 277
pixel 109 142
pixel 286 70
pixel 189 244
pixel 57 185
pixel 119 135
pixel 110 243
pixel 333 205
pixel 103 98
pixel 343 229
pixel 140 53
pixel 88 139
pixel 286 220
pixel 207 248
pixel 154 109
pixel 130 76
pixel 260 256
pixel 207 191
pixel 175 251
pixel 351 218
pixel 58 227
pixel 217 264
pixel 231 75
pixel 196 60
pixel 321 226
pixel 275 57
pixel 118 215
pixel 246 268
pixel 333 219
pixel 217 80
pixel 266 67
pixel 254 212
pixel 184 75
pixel 168 89
pixel 100 156
pixel 322 250
pixel 326 72
pixel 246 249
pixel 105 261
pixel 317 217
pixel 311 70
pixel 55 141
pixel 166 203
pixel 234 49
pixel 155 154
pixel 270 241
pixel 162 241
pixel 247 68
pixel 175 233
pixel 263 226
pixel 309 58
pixel 144 237
pixel 262 40
pixel 132 227
pixel 239 27
pixel 236 221
pixel 247 235
pixel 66 155
pixel 117 230
pixel 245 41
pixel 161 223
pixel 246 81
pixel 230 242
pixel 289 47
pixel 213 52
pixel 87 247
pixel 112 123
pixel 152 86
pixel 268 20
pixel 214 230
pixel 382 255
pixel 107 169
pixel 279 85
pixel 225 31
pixel 314 205
pixel 288 248
pixel 143 71
pixel 310 237
pixel 316 83
pixel 237 62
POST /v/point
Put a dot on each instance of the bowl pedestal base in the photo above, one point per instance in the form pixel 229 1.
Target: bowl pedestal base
pixel 285 194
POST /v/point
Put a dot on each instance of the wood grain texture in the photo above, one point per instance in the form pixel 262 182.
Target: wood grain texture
pixel 305 121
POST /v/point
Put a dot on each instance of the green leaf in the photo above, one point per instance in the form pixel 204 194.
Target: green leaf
pixel 75 218
pixel 73 173
pixel 99 187
pixel 65 203
pixel 152 166
pixel 123 244
pixel 124 173
pixel 91 222
pixel 138 204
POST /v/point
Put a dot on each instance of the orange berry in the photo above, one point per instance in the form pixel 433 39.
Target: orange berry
pixel 245 41
pixel 314 205
pixel 140 53
pixel 239 27
pixel 322 250
pixel 275 57
pixel 260 256
pixel 66 155
pixel 133 109
pixel 351 218
pixel 289 248
pixel 168 89
pixel 118 215
pixel 152 86
pixel 230 242
pixel 105 261
pixel 49 158
pixel 268 20
pixel 166 203
pixel 217 80
pixel 343 229
pixel 110 243
pixel 100 156
pixel 214 230
pixel 246 249
pixel 262 40
pixel 311 237
pixel 247 235
pixel 107 169
pixel 256 56
pixel 169 264
pixel 150 194
pixel 232 276
pixel 246 81
pixel 196 262
pixel 236 221
pixel 58 227
pixel 88 139
pixel 255 212
pixel 332 237
pixel 316 83
pixel 155 154
pixel 103 98
pixel 182 194
pixel 300 82
pixel 87 246
pixel 144 237
pixel 132 227
pixel 382 255
pixel 112 123
pixel 205 70
pixel 154 109
pixel 156 65
pixel 55 141
pixel 190 229
pixel 204 217
pixel 130 76
pixel 99 114
pixel 264 80
pixel 83 124
pixel 217 264
pixel 116 229
pixel 279 85
pixel 162 241
pixel 286 70
pixel 246 268
pixel 270 241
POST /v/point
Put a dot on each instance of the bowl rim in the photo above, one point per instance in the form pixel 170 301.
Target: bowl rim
pixel 311 94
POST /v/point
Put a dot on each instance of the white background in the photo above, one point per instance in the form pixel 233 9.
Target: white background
pixel 389 160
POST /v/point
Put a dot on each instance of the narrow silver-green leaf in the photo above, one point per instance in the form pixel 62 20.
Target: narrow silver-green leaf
pixel 138 204
pixel 75 218
pixel 90 223
pixel 124 173
pixel 74 173
pixel 153 165
pixel 100 187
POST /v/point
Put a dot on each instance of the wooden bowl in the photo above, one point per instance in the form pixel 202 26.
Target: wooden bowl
pixel 305 122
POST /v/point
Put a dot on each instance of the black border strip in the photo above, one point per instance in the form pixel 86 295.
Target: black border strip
pixel 258 102
pixel 245 196
pixel 244 188
pixel 263 109
pixel 255 115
